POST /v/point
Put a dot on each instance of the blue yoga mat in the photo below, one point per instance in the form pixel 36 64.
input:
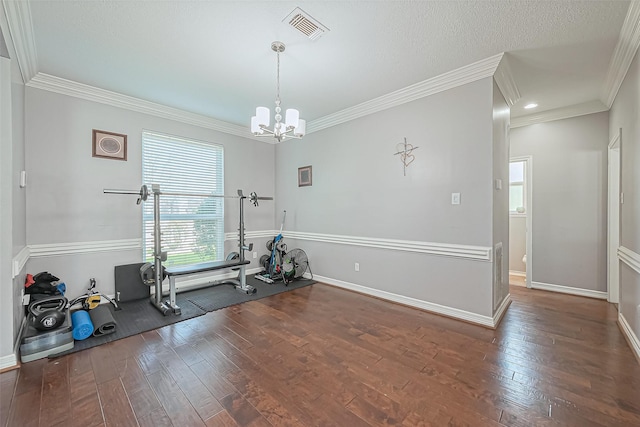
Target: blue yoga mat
pixel 82 325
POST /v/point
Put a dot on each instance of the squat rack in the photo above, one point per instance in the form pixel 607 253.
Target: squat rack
pixel 159 256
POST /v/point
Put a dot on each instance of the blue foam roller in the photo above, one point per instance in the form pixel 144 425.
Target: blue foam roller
pixel 82 325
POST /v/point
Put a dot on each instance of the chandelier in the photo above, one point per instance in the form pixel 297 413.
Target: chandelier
pixel 292 127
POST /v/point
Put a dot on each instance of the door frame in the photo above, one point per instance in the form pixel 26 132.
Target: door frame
pixel 613 217
pixel 529 214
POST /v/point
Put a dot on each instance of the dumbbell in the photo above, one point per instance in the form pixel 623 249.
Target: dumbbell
pixel 48 313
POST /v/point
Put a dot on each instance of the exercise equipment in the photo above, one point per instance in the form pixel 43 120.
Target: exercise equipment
pixel 129 284
pixel 37 344
pixel 159 272
pixel 91 299
pixel 277 248
pixel 294 264
pixel 48 313
pixel 103 321
pixel 82 325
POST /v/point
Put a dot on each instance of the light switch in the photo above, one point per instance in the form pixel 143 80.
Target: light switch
pixel 498 184
pixel 455 198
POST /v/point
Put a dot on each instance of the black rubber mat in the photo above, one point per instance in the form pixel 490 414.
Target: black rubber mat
pixel 140 316
pixel 221 296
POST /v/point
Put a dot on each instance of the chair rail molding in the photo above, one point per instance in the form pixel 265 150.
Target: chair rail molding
pixel 629 257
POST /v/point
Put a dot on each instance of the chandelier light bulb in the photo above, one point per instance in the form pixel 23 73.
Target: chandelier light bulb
pixel 293 125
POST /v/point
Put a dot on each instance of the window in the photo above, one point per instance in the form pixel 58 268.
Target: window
pixel 192 227
pixel 517 193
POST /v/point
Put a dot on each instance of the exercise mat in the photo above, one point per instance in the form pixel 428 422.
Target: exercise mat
pixel 103 321
pixel 82 325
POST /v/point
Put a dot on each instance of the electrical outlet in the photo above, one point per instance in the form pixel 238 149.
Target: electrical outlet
pixel 255 255
pixel 357 266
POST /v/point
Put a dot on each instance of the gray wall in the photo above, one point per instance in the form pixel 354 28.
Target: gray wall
pixel 624 114
pixel 359 191
pixel 6 214
pixel 65 200
pixel 19 224
pixel 569 199
pixel 501 120
pixel 517 243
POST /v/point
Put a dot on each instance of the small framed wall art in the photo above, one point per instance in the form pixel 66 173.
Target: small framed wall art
pixel 304 176
pixel 109 145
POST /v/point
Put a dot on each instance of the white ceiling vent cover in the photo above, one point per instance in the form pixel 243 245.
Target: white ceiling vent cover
pixel 306 24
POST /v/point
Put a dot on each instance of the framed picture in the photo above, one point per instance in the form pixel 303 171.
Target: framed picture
pixel 109 145
pixel 304 176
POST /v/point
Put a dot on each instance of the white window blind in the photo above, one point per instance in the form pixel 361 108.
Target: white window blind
pixel 192 227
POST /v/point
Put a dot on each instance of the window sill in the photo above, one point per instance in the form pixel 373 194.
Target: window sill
pixel 517 215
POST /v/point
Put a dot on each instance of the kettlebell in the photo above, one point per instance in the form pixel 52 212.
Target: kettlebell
pixel 48 313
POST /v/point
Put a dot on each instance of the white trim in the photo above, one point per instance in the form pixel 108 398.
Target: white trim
pixel 615 141
pixel 625 50
pixel 55 249
pixel 18 15
pixel 569 290
pixel 8 361
pixel 481 253
pixel 613 216
pixel 634 342
pixel 629 257
pixel 251 234
pixel 517 273
pixel 458 77
pixel 583 109
pixel 505 81
pixel 502 309
pixel 20 260
pixel 90 93
pixel 444 310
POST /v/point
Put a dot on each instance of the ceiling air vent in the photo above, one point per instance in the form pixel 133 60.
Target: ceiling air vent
pixel 303 22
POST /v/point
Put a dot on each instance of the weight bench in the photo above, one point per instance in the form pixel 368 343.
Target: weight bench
pixel 240 283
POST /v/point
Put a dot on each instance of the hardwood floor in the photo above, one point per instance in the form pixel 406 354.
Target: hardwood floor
pixel 322 356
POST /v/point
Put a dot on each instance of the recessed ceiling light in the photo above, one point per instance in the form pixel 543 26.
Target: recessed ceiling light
pixel 530 106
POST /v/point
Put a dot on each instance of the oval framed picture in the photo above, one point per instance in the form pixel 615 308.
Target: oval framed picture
pixel 109 145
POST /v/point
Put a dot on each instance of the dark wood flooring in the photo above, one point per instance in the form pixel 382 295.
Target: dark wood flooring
pixel 322 356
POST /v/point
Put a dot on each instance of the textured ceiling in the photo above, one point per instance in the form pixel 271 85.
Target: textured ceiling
pixel 214 58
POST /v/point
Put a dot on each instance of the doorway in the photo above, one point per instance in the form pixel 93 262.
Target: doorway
pixel 520 220
pixel 613 223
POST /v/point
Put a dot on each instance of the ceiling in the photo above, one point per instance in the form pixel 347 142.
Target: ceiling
pixel 214 58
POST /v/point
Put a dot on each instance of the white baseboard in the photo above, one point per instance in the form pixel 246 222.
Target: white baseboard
pixel 634 342
pixel 502 309
pixel 569 290
pixel 8 361
pixel 455 313
pixel 517 273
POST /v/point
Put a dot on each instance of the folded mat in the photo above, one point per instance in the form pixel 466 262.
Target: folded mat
pixel 102 319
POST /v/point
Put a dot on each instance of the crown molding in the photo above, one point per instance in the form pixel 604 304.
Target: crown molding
pixel 18 15
pixel 505 81
pixel 628 43
pixel 576 110
pixel 90 93
pixel 458 77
